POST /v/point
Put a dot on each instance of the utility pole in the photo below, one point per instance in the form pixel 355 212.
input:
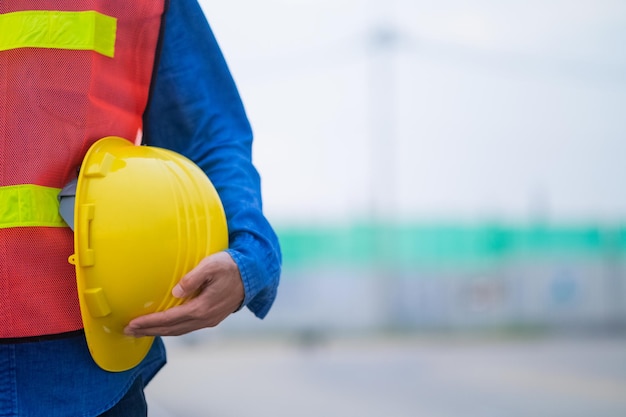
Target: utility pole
pixel 382 40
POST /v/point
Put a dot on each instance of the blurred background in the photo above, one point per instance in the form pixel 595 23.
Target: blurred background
pixel 446 180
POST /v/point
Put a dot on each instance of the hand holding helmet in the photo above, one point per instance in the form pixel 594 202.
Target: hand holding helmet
pixel 216 291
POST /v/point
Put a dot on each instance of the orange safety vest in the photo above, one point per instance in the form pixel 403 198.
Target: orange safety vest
pixel 70 74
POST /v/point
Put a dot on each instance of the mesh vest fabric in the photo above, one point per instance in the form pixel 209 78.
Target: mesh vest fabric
pixel 55 103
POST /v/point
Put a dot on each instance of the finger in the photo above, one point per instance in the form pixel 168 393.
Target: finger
pixel 177 330
pixel 193 280
pixel 189 284
pixel 145 325
pixel 178 320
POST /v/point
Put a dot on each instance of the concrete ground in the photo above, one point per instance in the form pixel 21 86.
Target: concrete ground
pixel 393 377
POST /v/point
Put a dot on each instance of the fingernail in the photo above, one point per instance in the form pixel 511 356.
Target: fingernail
pixel 178 292
pixel 128 331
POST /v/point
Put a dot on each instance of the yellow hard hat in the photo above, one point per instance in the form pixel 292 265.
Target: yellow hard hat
pixel 143 218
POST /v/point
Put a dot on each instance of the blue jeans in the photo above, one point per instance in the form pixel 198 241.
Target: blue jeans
pixel 58 378
pixel 133 404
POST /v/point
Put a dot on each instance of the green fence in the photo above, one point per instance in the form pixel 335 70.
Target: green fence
pixel 444 245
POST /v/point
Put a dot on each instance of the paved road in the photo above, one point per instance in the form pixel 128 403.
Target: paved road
pixel 394 377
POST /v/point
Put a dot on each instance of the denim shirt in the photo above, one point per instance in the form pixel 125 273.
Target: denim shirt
pixel 195 109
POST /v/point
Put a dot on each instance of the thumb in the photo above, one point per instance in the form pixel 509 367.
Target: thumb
pixel 201 275
pixel 178 291
pixel 188 285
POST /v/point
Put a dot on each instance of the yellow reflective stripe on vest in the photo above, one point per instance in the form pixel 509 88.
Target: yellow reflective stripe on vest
pixel 29 205
pixel 87 30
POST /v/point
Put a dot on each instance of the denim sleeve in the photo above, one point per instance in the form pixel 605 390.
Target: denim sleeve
pixel 195 109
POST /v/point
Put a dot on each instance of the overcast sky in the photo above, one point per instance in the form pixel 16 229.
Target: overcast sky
pixel 418 110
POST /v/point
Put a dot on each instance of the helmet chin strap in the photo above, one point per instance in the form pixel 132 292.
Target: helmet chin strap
pixel 67 200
